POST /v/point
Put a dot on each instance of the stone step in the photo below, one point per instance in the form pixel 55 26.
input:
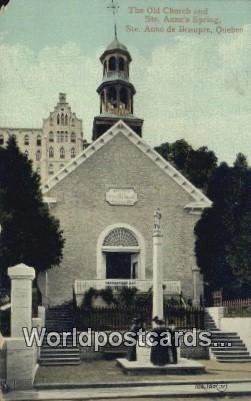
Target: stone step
pixel 59 329
pixel 58 321
pixel 240 360
pixel 60 350
pixel 230 333
pixel 59 314
pixel 58 359
pixel 63 355
pixel 59 363
pixel 233 343
pixel 60 346
pixel 67 344
pixel 225 338
pixel 234 357
pixel 230 352
pixel 233 348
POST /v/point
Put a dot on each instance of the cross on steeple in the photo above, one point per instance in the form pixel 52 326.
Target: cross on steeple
pixel 114 7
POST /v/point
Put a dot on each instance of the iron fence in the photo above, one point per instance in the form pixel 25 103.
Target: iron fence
pixel 120 318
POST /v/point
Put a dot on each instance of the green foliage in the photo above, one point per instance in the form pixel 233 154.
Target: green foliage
pixel 197 165
pixel 127 296
pixel 223 245
pixel 29 233
pixel 88 297
pixel 172 302
pixel 106 294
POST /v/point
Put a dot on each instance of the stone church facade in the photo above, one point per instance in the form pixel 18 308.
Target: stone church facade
pixel 105 199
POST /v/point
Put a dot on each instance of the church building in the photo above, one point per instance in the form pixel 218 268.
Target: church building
pixel 105 199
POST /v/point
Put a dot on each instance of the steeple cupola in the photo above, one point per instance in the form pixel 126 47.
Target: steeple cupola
pixel 116 92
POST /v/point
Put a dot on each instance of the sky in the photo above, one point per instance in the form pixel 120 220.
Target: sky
pixel 190 86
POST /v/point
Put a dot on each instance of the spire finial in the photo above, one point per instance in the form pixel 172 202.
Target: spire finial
pixel 114 7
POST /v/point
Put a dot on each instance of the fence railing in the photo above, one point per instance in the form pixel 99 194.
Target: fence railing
pixel 237 307
pixel 120 318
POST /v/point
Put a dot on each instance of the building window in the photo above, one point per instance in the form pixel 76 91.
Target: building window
pixel 62 136
pixel 66 120
pixel 121 64
pixel 51 137
pixel 39 143
pixel 73 153
pixel 61 166
pixel 62 153
pixel 58 119
pixel 73 137
pixel 51 152
pixel 51 169
pixel 38 155
pixel 112 64
pixel 26 140
pixel 26 153
pixel 1 139
pixel 62 119
pixel 66 136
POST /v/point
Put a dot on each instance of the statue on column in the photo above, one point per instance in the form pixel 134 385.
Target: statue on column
pixel 156 221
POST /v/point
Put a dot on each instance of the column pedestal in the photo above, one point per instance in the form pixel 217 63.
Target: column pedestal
pixel 157 276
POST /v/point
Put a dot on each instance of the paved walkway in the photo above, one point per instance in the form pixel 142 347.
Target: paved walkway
pixel 102 380
pixel 107 371
pixel 171 390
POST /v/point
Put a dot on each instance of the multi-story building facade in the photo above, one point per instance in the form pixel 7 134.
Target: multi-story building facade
pixel 51 147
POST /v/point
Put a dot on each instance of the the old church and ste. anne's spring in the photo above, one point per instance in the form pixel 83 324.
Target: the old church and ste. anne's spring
pixel 104 195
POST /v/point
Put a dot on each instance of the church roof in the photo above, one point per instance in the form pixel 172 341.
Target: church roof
pixel 198 202
pixel 116 45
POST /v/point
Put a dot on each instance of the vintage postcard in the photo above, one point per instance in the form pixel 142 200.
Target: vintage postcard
pixel 125 199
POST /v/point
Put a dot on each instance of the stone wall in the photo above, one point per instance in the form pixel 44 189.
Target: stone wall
pixel 84 214
pixel 239 325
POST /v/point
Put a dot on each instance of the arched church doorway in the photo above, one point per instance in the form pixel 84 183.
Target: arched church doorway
pixel 121 252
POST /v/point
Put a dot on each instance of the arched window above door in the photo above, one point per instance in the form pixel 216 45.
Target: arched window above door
pixel 121 236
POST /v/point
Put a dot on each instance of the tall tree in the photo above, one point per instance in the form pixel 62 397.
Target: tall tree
pixel 197 165
pixel 29 234
pixel 223 245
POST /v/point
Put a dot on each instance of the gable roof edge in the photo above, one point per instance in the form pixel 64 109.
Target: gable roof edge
pixel 121 127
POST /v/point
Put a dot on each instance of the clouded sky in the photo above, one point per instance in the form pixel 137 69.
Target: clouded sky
pixel 190 86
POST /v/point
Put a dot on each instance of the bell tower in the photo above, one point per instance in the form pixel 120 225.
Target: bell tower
pixel 116 92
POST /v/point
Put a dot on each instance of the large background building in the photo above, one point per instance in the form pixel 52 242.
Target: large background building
pixel 51 147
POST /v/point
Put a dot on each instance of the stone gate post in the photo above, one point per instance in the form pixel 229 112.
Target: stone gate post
pixel 21 359
pixel 21 298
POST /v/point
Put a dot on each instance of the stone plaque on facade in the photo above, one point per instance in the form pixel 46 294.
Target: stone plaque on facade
pixel 121 196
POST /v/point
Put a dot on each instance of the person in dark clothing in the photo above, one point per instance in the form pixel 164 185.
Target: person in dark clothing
pixel 173 346
pixel 137 324
pixel 160 354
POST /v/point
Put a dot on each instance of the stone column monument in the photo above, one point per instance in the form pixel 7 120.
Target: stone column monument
pixel 157 267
